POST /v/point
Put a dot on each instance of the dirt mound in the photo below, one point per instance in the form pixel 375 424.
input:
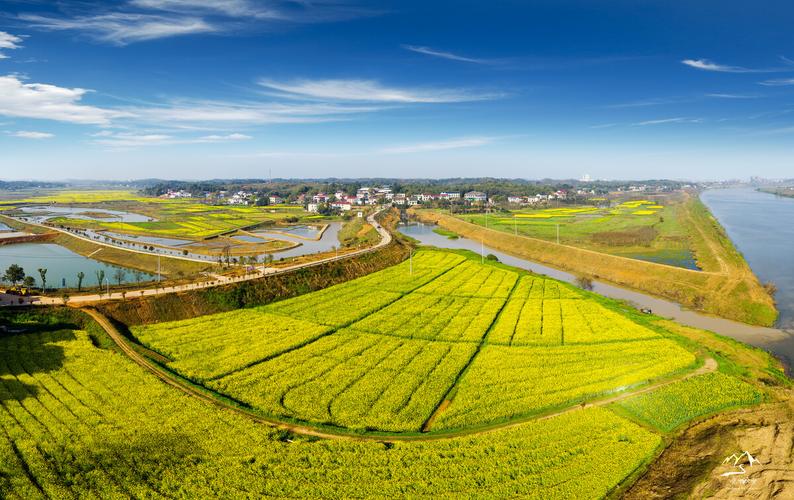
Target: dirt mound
pixel 744 454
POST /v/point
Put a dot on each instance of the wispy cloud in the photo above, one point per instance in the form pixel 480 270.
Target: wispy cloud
pixel 708 65
pixel 462 142
pixel 733 96
pixel 38 100
pixel 8 42
pixel 370 91
pixel 131 140
pixel 123 28
pixel 141 20
pixel 654 101
pixel 665 121
pixel 189 113
pixel 778 82
pixel 603 125
pixel 27 134
pixel 445 55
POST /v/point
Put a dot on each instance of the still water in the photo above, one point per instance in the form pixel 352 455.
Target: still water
pixel 61 263
pixel 761 225
pixel 778 342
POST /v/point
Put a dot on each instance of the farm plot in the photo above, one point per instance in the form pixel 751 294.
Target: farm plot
pixel 670 406
pixel 345 303
pixel 507 382
pixel 434 317
pixel 471 279
pixel 77 421
pixel 208 346
pixel 540 320
pixel 353 379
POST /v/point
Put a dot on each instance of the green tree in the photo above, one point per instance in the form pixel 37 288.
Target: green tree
pixel 43 274
pixel 14 274
pixel 80 278
pixel 29 281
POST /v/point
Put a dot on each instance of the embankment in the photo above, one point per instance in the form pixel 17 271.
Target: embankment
pixel 733 292
pixel 183 305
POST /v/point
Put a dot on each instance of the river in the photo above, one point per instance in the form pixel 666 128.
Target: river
pixel 760 225
pixel 778 342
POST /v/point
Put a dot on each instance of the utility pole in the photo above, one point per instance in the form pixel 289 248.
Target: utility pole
pixel 107 283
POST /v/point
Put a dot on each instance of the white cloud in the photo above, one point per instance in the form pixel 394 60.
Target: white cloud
pixel 444 55
pixel 463 142
pixel 369 91
pixel 8 42
pixel 43 101
pixel 733 96
pixel 130 140
pixel 665 121
pixel 204 113
pixel 707 65
pixel 224 138
pixel 26 134
pixel 230 8
pixel 123 28
pixel 778 82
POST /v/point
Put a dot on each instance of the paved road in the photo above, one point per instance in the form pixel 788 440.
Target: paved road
pixel 211 281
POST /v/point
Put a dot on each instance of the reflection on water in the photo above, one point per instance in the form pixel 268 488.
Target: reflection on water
pixel 780 343
pixel 61 263
pixel 153 240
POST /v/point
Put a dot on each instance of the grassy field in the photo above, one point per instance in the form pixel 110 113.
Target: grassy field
pixel 384 352
pixel 725 287
pixel 357 231
pixel 643 229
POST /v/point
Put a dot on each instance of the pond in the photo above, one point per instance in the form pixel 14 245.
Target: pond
pixel 39 214
pixel 307 232
pixel 329 240
pixel 61 263
pixel 778 342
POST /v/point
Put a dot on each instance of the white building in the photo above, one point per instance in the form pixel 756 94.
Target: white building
pixel 475 197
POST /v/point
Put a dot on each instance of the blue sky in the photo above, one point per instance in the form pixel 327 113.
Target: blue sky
pixel 533 89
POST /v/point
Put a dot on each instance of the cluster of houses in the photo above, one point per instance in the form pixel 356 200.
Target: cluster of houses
pixel 377 196
pixel 175 194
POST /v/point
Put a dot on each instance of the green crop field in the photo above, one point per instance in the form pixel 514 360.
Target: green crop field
pixel 680 402
pixel 80 421
pixel 642 229
pixel 181 218
pixel 442 344
pixel 383 352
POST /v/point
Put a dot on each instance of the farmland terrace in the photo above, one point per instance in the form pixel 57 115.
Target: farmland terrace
pixel 398 367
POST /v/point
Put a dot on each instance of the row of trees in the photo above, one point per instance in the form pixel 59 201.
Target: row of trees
pixel 15 274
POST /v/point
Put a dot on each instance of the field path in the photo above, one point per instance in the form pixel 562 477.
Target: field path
pixel 118 338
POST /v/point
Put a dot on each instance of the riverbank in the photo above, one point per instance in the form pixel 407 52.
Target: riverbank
pixel 726 286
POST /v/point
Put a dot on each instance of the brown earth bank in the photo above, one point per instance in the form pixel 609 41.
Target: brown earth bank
pixel 726 287
pixel 703 462
pixel 189 304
